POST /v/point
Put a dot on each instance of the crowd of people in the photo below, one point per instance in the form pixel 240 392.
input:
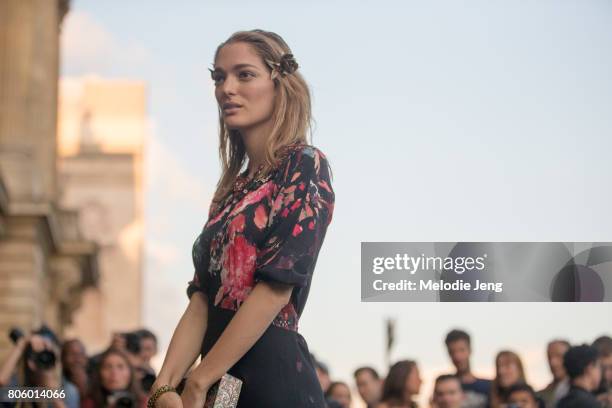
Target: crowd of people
pixel 581 378
pixel 122 375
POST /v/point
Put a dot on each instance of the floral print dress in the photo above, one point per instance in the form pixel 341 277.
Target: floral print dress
pixel 271 230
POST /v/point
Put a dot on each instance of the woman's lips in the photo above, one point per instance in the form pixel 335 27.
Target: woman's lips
pixel 231 109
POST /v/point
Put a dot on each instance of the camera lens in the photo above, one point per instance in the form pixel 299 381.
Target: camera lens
pixel 132 343
pixel 15 334
pixel 124 402
pixel 147 381
pixel 124 399
pixel 44 359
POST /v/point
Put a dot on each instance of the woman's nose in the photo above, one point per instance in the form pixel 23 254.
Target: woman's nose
pixel 229 85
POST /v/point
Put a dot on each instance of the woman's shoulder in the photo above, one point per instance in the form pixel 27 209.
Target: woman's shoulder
pixel 304 150
pixel 303 158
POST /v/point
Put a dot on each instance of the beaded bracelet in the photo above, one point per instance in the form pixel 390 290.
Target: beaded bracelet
pixel 157 393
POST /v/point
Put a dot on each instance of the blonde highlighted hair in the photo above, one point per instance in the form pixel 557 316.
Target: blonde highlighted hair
pixel 499 395
pixel 292 119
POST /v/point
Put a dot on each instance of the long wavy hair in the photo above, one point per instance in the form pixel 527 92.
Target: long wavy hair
pixel 292 118
pixel 395 384
pixel 499 394
pixel 98 393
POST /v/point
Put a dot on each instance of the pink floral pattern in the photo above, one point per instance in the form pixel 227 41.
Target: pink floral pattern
pixel 273 233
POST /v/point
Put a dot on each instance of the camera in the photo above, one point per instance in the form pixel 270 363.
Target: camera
pixel 132 342
pixel 43 360
pixel 147 381
pixel 122 399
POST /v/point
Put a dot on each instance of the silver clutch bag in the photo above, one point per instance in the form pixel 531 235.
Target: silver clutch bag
pixel 224 393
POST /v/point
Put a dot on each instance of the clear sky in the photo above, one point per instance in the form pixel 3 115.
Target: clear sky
pixel 442 120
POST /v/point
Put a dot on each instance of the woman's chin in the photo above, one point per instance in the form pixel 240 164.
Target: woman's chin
pixel 232 124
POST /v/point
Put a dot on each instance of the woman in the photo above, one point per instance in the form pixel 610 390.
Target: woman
pixel 114 383
pixel 402 383
pixel 340 392
pixel 74 364
pixel 34 362
pixel 509 371
pixel 256 254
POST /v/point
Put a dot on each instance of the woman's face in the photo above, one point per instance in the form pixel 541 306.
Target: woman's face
pixel 75 354
pixel 341 394
pixel 508 372
pixel 115 373
pixel 242 79
pixel 413 381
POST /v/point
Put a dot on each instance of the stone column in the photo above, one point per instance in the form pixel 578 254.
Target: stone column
pixel 23 274
pixel 39 252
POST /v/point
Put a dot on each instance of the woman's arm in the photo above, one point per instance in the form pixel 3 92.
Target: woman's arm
pixel 248 324
pixel 186 342
pixel 7 369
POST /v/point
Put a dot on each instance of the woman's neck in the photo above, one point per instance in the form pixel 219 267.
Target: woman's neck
pixel 254 140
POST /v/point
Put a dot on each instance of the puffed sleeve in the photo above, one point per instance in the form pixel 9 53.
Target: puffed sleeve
pixel 196 284
pixel 301 211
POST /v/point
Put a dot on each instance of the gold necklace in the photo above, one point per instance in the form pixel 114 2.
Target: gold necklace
pixel 243 181
pixel 242 184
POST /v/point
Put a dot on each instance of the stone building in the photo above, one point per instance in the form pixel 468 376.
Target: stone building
pixel 101 134
pixel 45 263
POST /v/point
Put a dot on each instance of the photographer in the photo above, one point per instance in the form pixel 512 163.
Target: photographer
pixel 147 350
pixel 34 362
pixel 74 364
pixel 148 347
pixel 114 383
pixel 136 347
pixel 140 350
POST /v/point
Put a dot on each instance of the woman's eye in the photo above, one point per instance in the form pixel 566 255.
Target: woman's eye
pixel 218 78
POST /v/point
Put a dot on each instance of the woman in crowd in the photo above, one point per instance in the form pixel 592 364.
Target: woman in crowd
pixel 114 383
pixel 74 364
pixel 340 392
pixel 509 371
pixel 402 383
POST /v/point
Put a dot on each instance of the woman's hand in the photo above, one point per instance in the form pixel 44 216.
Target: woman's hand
pixel 48 377
pixel 194 395
pixel 40 343
pixel 9 365
pixel 169 400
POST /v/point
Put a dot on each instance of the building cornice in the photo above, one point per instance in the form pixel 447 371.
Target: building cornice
pixel 61 227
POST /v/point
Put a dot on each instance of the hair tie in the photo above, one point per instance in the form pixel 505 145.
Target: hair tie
pixel 286 65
